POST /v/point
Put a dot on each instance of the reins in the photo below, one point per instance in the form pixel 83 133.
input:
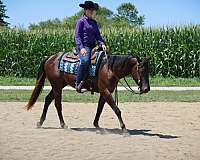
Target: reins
pixel 128 88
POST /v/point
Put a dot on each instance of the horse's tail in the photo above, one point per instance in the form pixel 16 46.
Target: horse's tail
pixel 39 85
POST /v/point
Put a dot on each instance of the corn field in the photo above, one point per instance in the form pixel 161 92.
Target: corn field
pixel 174 51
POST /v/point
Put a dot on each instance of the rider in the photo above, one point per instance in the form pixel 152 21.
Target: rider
pixel 86 35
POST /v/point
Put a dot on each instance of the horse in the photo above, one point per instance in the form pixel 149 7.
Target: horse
pixel 111 69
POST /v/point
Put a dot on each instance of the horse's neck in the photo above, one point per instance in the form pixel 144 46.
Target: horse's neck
pixel 120 69
pixel 121 74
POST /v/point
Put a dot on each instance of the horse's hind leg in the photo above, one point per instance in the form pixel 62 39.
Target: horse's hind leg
pixel 99 111
pixel 48 99
pixel 58 97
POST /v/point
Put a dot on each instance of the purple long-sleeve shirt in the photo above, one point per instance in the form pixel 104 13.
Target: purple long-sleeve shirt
pixel 87 32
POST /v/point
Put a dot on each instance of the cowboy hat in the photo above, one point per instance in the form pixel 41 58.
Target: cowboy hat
pixel 89 5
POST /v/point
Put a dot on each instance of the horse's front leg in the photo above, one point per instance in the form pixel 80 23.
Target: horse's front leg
pixel 99 111
pixel 109 99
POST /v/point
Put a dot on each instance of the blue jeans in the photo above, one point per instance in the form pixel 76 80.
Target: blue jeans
pixel 84 65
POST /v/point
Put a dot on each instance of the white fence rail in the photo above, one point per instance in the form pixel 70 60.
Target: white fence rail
pixel 119 88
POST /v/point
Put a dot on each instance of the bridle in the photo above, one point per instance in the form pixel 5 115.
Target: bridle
pixel 127 87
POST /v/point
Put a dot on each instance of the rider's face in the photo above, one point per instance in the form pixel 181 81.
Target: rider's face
pixel 89 12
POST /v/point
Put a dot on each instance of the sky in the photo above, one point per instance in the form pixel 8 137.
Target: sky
pixel 156 12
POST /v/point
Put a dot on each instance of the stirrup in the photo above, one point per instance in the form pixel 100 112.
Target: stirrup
pixel 79 86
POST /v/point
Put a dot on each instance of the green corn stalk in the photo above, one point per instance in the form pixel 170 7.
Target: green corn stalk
pixel 174 51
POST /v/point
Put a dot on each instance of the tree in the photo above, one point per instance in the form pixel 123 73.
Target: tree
pixel 3 14
pixel 128 12
pixel 102 16
pixel 127 17
pixel 70 21
pixel 50 24
pixel 104 12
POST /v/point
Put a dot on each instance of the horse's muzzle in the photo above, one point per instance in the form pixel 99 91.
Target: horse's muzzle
pixel 144 90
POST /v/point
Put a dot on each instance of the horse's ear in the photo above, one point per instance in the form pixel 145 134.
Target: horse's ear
pixel 138 59
pixel 130 53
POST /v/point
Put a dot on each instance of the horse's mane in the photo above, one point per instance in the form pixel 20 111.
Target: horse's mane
pixel 118 60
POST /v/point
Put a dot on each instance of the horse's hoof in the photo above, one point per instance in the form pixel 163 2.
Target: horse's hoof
pixel 125 132
pixel 96 125
pixel 64 126
pixel 39 125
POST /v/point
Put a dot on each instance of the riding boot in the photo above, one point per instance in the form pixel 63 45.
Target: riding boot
pixel 79 86
pixel 81 76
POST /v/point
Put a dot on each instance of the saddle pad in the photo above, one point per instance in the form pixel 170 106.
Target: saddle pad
pixel 72 67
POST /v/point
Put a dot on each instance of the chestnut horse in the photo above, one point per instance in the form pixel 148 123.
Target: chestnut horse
pixel 111 70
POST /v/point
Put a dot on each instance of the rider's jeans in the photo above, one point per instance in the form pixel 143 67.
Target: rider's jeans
pixel 84 65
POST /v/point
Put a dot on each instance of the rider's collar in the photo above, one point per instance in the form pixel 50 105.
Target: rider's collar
pixel 86 17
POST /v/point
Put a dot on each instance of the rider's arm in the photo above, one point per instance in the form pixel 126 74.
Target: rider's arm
pixel 79 33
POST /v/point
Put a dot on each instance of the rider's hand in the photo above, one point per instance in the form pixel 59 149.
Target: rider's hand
pixel 104 47
pixel 83 51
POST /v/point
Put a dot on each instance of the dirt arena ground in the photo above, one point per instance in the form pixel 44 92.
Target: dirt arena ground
pixel 158 131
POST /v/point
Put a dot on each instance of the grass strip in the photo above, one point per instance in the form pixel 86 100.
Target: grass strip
pixel 154 81
pixel 72 96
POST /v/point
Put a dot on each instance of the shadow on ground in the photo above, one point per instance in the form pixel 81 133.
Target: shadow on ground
pixel 132 132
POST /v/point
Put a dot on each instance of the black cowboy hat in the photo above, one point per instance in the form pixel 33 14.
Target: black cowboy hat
pixel 89 5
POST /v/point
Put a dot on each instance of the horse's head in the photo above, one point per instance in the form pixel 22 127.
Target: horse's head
pixel 140 73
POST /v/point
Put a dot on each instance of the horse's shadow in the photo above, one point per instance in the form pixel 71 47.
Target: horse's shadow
pixel 117 131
